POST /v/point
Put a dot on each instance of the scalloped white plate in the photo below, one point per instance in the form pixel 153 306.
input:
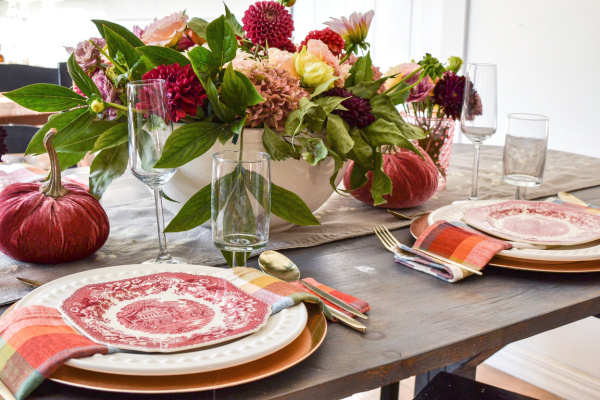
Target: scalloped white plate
pixel 280 330
pixel 583 252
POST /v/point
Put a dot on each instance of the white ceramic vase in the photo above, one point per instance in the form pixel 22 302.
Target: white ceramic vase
pixel 310 183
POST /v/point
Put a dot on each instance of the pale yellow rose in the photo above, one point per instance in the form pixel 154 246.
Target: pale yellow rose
pixel 165 32
pixel 313 72
pixel 283 59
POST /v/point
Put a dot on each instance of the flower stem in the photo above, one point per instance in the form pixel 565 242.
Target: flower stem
pixel 119 106
pixel 347 56
pixel 404 80
pixel 117 66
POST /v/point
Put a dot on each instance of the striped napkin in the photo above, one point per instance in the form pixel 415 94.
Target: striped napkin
pixel 590 209
pixel 453 241
pixel 35 340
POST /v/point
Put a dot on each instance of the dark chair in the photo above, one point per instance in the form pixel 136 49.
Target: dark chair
pixel 18 137
pixel 64 79
pixel 14 76
pixel 447 386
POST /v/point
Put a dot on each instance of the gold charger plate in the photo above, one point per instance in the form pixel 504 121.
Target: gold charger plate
pixel 309 340
pixel 418 226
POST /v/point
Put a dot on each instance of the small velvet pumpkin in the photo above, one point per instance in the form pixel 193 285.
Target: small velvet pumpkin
pixel 414 180
pixel 50 223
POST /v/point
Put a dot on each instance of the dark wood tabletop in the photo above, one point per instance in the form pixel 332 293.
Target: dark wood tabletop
pixel 417 322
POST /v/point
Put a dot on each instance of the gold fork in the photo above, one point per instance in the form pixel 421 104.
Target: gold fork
pixel 390 242
pixel 407 217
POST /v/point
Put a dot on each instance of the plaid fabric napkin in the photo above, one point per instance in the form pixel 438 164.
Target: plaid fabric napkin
pixel 590 209
pixel 34 342
pixel 453 241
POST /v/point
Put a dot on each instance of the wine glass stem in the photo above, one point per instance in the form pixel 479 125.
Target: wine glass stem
pixel 473 195
pixel 238 259
pixel 521 195
pixel 163 254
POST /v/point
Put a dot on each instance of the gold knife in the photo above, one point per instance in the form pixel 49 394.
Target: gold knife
pixel 333 299
pixel 30 282
pixel 568 197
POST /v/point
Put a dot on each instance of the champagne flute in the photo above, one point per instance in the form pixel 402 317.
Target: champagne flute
pixel 478 117
pixel 525 151
pixel 149 127
pixel 241 202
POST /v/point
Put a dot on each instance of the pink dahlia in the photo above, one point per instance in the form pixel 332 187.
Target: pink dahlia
pixel 358 113
pixel 268 23
pixel 449 93
pixel 3 149
pixel 184 90
pixel 333 40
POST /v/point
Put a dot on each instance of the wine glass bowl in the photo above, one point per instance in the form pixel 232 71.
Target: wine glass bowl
pixel 240 201
pixel 149 126
pixel 479 111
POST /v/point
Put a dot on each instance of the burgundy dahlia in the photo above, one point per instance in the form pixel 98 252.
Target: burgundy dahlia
pixel 3 149
pixel 448 94
pixel 184 90
pixel 268 23
pixel 288 46
pixel 358 113
pixel 333 40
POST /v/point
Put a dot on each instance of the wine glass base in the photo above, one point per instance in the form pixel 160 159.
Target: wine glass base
pixel 473 198
pixel 172 260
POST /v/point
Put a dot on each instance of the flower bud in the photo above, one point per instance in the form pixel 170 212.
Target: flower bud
pixel 98 106
pixel 288 3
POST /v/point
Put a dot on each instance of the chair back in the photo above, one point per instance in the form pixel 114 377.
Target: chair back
pixel 18 137
pixel 14 76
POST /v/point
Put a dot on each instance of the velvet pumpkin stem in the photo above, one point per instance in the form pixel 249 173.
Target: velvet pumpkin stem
pixel 53 187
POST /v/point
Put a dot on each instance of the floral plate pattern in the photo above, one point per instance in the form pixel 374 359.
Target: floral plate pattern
pixel 164 312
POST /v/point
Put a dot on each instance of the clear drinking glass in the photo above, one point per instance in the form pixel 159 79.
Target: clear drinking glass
pixel 149 127
pixel 241 202
pixel 525 151
pixel 478 117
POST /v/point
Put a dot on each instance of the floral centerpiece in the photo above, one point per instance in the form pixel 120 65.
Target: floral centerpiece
pixel 433 105
pixel 320 99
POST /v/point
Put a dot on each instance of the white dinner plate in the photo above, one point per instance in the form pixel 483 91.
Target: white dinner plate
pixel 583 252
pixel 281 329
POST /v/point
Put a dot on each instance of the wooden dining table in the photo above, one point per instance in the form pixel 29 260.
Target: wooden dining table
pixel 417 323
pixel 12 113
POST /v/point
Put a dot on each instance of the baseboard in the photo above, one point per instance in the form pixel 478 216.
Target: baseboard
pixel 546 373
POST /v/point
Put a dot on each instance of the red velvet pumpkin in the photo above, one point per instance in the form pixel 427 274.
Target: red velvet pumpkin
pixel 50 223
pixel 414 180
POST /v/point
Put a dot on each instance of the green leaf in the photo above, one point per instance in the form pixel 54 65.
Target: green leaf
pixel 117 43
pixel 234 92
pixel 68 124
pixel 399 95
pixel 119 30
pixel 188 142
pixel 276 146
pixel 116 135
pixel 108 165
pixel 289 206
pixel 238 215
pixel 454 64
pixel 253 96
pixel 80 78
pixel 163 55
pixel 382 184
pixel 225 134
pixel 221 40
pixel 194 212
pixel 205 63
pixel 140 68
pixel 337 135
pixel 84 140
pixel 67 160
pixel 198 25
pixel 233 22
pixel 338 164
pixel 223 112
pixel 366 90
pixel 236 128
pixel 382 132
pixel 44 97
pixel 358 177
pixel 164 196
pixel 361 71
pixel 330 103
pixel 146 149
pixel 315 150
pixel 323 87
pixel 361 152
pixel 383 108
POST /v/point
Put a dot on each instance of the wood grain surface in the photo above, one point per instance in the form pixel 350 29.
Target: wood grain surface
pixel 416 323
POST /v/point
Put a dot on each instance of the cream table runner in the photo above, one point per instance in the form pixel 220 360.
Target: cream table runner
pixel 133 236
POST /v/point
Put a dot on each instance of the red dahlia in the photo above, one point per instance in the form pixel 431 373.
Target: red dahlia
pixel 333 40
pixel 184 90
pixel 288 46
pixel 358 111
pixel 268 22
pixel 3 149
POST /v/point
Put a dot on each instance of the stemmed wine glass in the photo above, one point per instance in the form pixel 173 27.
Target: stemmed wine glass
pixel 149 127
pixel 241 202
pixel 478 117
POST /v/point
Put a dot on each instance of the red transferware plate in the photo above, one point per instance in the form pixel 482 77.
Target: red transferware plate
pixel 535 222
pixel 165 312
